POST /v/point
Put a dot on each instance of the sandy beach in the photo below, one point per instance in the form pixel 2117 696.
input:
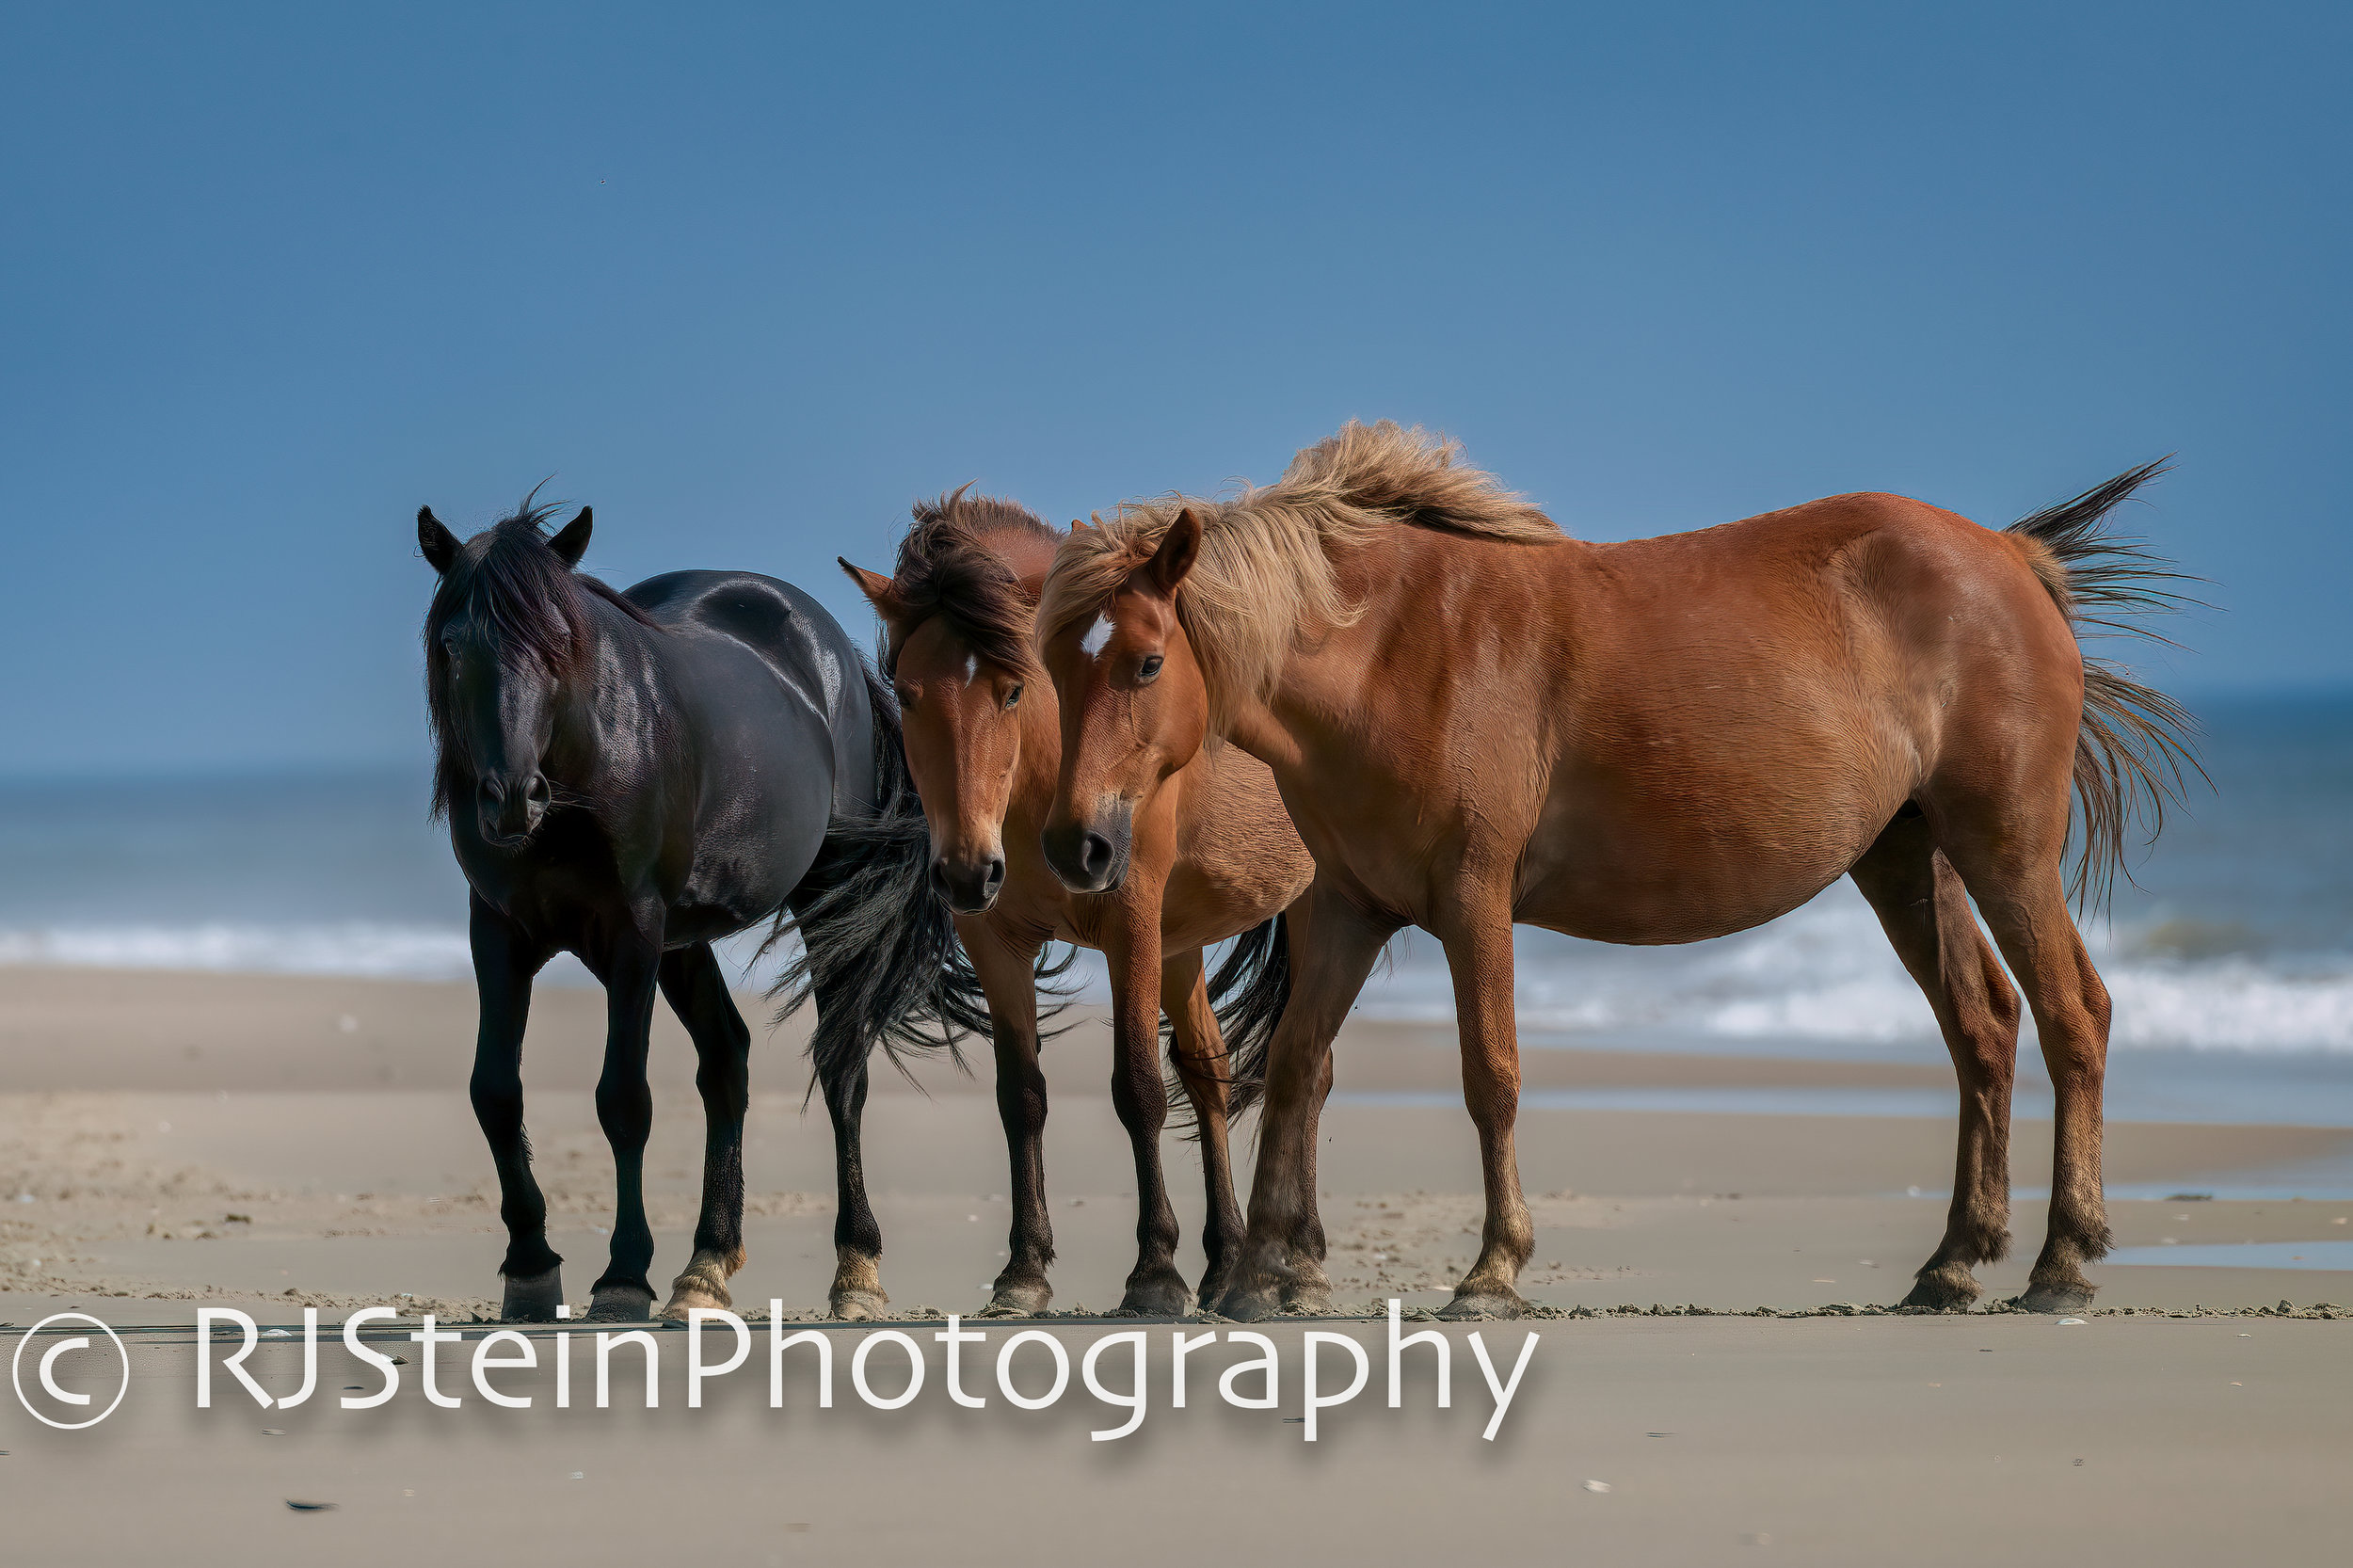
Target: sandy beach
pixel 172 1141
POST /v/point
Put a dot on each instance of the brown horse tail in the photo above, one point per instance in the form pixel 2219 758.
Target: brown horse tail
pixel 1247 991
pixel 2136 748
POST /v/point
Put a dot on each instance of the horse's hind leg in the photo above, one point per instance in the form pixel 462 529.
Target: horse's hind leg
pixel 858 1294
pixel 504 963
pixel 2012 868
pixel 1335 945
pixel 697 990
pixel 1478 956
pixel 1925 912
pixel 1009 979
pixel 1200 1048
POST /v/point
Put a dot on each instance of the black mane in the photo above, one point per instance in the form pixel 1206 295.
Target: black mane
pixel 535 607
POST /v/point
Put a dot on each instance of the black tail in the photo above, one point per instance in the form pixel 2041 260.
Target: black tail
pixel 2136 748
pixel 875 939
pixel 1248 992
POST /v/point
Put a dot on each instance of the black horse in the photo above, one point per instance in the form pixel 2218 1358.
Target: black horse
pixel 631 777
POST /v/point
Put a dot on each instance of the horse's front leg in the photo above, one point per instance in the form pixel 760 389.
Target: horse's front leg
pixel 698 991
pixel 1140 1094
pixel 857 1294
pixel 1008 976
pixel 1203 1068
pixel 625 1110
pixel 1281 1265
pixel 504 962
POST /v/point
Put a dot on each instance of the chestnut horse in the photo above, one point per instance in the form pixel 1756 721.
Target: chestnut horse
pixel 1211 856
pixel 1476 720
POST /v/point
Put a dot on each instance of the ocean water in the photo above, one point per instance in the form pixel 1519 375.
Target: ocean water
pixel 2238 937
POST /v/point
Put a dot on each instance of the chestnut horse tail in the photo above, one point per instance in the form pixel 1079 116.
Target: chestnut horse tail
pixel 878 947
pixel 2135 750
pixel 1247 992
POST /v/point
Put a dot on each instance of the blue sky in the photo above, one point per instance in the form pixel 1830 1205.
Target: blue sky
pixel 749 280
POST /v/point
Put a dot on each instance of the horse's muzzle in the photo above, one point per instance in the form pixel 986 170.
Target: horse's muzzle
pixel 969 883
pixel 509 809
pixel 1091 857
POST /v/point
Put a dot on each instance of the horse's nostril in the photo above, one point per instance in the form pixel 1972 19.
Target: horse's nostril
pixel 940 877
pixel 995 877
pixel 1095 855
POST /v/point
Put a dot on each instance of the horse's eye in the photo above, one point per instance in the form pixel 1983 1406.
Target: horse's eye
pixel 906 698
pixel 1149 670
pixel 1013 698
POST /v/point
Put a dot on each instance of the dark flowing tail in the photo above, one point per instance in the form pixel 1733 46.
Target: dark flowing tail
pixel 2136 748
pixel 876 941
pixel 1247 992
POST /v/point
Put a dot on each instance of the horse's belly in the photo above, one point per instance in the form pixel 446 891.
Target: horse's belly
pixel 1670 875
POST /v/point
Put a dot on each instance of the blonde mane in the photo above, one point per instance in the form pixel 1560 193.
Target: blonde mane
pixel 1265 578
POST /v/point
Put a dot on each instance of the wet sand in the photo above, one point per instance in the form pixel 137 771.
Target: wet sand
pixel 173 1140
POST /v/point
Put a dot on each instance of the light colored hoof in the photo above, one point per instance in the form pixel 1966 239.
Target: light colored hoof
pixel 860 1306
pixel 1485 1303
pixel 532 1297
pixel 701 1286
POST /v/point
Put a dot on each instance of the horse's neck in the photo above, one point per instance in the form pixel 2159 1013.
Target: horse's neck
pixel 1322 694
pixel 615 687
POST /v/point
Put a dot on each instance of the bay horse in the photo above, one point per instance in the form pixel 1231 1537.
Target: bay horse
pixel 1213 857
pixel 629 778
pixel 1477 720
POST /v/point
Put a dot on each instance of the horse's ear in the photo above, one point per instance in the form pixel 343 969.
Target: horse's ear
pixel 572 543
pixel 439 544
pixel 876 587
pixel 1180 547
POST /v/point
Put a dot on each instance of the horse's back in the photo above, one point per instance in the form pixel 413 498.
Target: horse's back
pixel 1751 702
pixel 801 645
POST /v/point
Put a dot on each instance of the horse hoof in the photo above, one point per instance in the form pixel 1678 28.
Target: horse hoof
pixel 1249 1303
pixel 1309 1301
pixel 1157 1298
pixel 858 1307
pixel 1948 1290
pixel 532 1297
pixel 621 1303
pixel 1021 1298
pixel 698 1286
pixel 2054 1298
pixel 1474 1305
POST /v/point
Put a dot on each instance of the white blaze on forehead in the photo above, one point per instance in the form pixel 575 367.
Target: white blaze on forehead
pixel 971 668
pixel 1097 635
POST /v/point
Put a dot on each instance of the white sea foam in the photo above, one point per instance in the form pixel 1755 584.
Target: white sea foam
pixel 1827 973
pixel 1824 973
pixel 366 949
